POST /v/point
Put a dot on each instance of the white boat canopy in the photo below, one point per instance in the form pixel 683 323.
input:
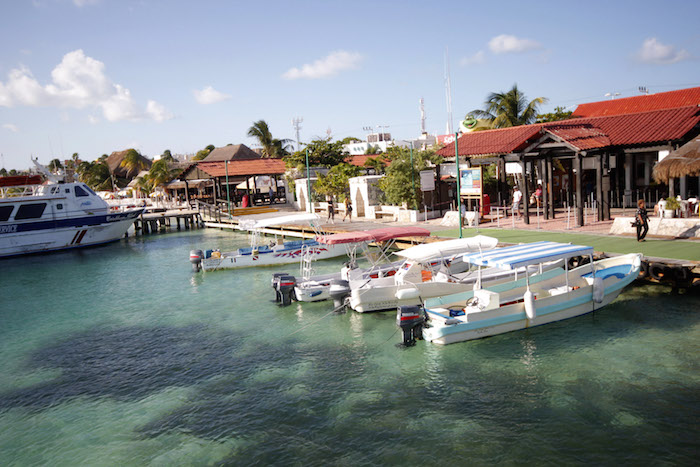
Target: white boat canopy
pixel 251 224
pixel 513 257
pixel 374 235
pixel 430 251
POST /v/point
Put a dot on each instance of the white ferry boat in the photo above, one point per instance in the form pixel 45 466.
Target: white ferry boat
pixel 37 218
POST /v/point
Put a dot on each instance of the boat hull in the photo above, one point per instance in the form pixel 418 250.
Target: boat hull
pixel 46 236
pixel 271 257
pixel 443 329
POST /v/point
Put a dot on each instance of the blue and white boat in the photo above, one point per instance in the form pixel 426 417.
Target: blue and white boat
pixel 272 253
pixel 36 217
pixel 529 301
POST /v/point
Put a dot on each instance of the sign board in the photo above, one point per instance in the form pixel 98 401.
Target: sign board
pixel 513 168
pixel 470 181
pixel 427 180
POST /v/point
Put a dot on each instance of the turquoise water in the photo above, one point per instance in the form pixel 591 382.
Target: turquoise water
pixel 120 355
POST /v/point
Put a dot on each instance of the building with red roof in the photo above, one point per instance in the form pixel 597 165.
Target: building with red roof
pixel 605 153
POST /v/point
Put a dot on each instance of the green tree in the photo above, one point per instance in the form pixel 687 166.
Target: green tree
pixel 560 113
pixel 271 147
pixel 511 108
pixel 378 163
pixel 167 156
pixel 55 165
pixel 322 153
pixel 335 182
pixel 97 176
pixel 133 161
pixel 402 176
pixel 203 153
pixel 160 173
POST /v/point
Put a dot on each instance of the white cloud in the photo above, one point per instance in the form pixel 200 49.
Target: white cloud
pixel 653 51
pixel 476 59
pixel 77 82
pixel 11 127
pixel 157 112
pixel 328 66
pixel 209 95
pixel 505 43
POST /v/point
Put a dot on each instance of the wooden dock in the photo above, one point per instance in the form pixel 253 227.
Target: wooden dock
pixel 152 222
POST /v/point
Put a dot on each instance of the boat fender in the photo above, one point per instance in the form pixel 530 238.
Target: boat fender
pixel 411 293
pixel 656 271
pixel 529 299
pixel 644 270
pixel 598 290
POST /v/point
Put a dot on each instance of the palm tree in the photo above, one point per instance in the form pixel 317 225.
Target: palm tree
pixel 508 109
pixel 55 165
pixel 133 162
pixel 271 147
pixel 160 173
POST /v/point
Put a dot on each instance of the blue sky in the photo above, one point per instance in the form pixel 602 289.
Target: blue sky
pixel 96 76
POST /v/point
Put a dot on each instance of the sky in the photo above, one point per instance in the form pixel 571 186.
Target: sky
pixel 97 76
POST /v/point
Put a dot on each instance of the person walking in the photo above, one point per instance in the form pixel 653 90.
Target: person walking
pixel 272 195
pixel 640 220
pixel 331 210
pixel 517 196
pixel 348 210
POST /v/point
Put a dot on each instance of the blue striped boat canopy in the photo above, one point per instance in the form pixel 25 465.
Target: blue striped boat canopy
pixel 513 257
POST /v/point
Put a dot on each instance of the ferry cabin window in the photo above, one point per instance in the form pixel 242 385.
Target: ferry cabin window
pixel 30 211
pixel 59 206
pixel 89 190
pixel 5 212
pixel 80 192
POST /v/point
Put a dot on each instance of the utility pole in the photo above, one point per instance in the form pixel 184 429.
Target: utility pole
pixel 296 123
pixel 448 91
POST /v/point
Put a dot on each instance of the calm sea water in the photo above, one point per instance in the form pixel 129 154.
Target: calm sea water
pixel 120 355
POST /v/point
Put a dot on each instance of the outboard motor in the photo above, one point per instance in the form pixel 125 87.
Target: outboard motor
pixel 196 259
pixel 338 291
pixel 410 319
pixel 284 287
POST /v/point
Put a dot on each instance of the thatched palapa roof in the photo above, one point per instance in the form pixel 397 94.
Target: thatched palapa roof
pixel 114 162
pixel 233 152
pixel 683 161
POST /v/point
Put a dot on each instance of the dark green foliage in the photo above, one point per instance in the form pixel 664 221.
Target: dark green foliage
pixel 401 178
pixel 507 109
pixel 560 113
pixel 322 153
pixel 335 182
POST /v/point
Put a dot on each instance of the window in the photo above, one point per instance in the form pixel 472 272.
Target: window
pixel 89 190
pixel 5 212
pixel 59 206
pixel 80 192
pixel 30 211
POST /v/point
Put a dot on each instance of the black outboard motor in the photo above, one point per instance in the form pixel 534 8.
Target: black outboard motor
pixel 283 284
pixel 410 319
pixel 196 259
pixel 338 291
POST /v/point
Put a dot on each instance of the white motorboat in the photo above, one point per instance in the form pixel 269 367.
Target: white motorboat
pixel 429 270
pixel 267 254
pixel 38 217
pixel 529 301
pixel 313 288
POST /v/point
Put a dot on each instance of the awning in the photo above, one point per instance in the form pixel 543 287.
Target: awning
pixel 448 248
pixel 513 257
pixel 250 224
pixel 375 235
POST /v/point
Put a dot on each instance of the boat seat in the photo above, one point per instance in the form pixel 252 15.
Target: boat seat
pixel 619 271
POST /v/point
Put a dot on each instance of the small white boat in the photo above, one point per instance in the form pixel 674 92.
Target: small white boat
pixel 267 254
pixel 530 301
pixel 37 218
pixel 313 288
pixel 429 270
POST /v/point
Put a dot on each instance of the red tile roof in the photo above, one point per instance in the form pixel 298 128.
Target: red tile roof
pixel 360 160
pixel 244 167
pixel 643 103
pixel 585 133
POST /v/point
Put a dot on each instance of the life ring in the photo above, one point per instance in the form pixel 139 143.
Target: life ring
pixel 657 271
pixel 644 270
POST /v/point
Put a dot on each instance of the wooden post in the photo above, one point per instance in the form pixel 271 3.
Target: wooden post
pixel 550 186
pixel 525 191
pixel 599 185
pixel 578 166
pixel 545 187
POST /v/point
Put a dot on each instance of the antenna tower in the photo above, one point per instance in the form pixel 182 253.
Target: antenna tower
pixel 422 116
pixel 448 91
pixel 296 123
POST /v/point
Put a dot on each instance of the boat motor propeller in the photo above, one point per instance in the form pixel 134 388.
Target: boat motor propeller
pixel 283 284
pixel 339 290
pixel 411 320
pixel 196 259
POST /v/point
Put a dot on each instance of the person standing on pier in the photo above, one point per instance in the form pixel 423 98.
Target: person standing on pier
pixel 331 209
pixel 348 210
pixel 517 196
pixel 641 221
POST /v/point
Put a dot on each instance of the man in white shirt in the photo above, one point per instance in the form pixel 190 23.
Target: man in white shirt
pixel 517 196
